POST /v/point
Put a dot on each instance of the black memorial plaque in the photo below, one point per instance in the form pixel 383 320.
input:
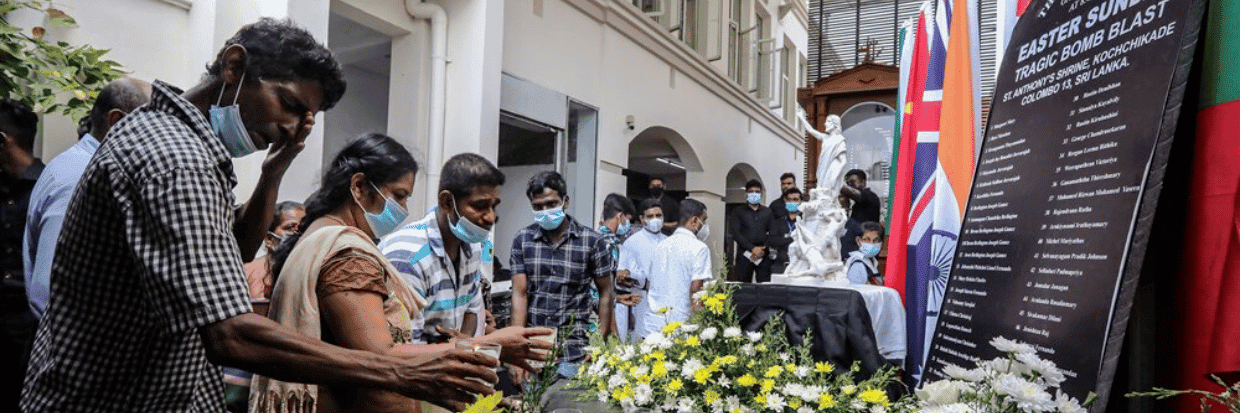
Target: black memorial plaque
pixel 1087 91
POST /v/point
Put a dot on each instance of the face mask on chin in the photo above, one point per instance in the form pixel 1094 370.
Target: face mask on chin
pixel 387 221
pixel 227 124
pixel 465 230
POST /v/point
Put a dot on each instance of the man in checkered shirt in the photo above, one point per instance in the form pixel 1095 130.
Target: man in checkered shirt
pixel 147 284
pixel 553 262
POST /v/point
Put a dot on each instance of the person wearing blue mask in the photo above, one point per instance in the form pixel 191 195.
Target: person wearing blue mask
pixel 148 297
pixel 441 255
pixel 791 203
pixel 616 226
pixel 786 181
pixel 862 264
pixel 555 262
pixel 752 227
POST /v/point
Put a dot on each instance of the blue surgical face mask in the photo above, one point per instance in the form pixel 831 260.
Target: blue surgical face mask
pixel 465 230
pixel 550 218
pixel 794 206
pixel 870 249
pixel 624 228
pixel 753 197
pixel 387 221
pixel 227 124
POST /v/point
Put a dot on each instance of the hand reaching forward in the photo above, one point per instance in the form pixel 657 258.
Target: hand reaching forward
pixel 519 349
pixel 451 379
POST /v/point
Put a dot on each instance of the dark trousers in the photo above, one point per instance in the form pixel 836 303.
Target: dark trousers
pixel 746 271
pixel 16 336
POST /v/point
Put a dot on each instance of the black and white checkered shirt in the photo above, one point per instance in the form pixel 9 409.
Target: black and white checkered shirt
pixel 559 279
pixel 146 256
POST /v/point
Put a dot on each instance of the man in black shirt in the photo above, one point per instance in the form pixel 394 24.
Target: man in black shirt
pixel 752 227
pixel 781 239
pixel 19 170
pixel 786 181
pixel 865 208
pixel 671 207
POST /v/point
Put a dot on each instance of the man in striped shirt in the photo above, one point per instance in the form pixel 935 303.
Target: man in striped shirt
pixel 447 269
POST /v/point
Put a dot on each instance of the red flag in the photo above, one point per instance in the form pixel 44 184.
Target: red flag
pixel 902 197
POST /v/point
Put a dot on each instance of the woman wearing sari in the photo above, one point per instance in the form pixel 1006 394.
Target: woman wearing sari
pixel 333 283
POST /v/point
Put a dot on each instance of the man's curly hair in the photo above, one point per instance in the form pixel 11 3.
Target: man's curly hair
pixel 280 49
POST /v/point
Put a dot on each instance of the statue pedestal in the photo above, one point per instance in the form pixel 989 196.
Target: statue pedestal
pixel 819 282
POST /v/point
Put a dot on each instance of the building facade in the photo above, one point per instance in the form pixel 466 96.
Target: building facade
pixel 608 92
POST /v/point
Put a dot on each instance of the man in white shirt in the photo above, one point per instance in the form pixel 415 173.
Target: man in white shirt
pixel 681 265
pixel 636 257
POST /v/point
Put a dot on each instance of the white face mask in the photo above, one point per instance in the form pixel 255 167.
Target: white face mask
pixel 654 225
pixel 703 232
pixel 870 249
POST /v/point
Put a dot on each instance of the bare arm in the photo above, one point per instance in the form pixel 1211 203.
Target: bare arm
pixel 606 305
pixel 255 343
pixel 469 324
pixel 254 217
pixel 520 300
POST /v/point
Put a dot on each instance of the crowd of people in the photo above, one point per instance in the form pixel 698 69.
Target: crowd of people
pixel 139 277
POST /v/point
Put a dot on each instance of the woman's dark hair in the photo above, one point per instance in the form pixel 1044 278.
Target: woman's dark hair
pixel 378 156
pixel 280 49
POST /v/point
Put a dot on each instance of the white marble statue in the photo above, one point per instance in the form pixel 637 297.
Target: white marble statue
pixel 833 154
pixel 815 249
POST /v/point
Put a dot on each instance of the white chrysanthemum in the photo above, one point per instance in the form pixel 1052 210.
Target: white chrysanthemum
pixel 689 328
pixel 653 338
pixel 732 332
pixel 709 333
pixel 858 405
pixel 942 392
pixel 1067 404
pixel 724 382
pixel 747 349
pixel 616 380
pixel 1046 369
pixel 717 407
pixel 812 393
pixel 641 370
pixel 805 409
pixel 1011 346
pixel 878 409
pixel 802 371
pixel 1029 397
pixel 961 373
pixel 754 336
pixel 684 405
pixel 666 343
pixel 1005 366
pixel 792 390
pixel 784 357
pixel 642 394
pixel 775 402
pixel 602 396
pixel 670 366
pixel 669 405
pixel 691 366
pixel 732 402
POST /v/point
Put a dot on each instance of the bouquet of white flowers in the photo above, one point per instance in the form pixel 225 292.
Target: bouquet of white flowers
pixel 709 365
pixel 1019 381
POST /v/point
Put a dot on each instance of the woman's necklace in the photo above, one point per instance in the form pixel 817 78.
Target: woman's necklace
pixel 333 218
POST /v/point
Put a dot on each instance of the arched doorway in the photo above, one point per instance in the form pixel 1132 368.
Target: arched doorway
pixel 659 152
pixel 869 129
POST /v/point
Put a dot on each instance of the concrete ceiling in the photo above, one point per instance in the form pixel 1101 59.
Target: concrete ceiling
pixel 359 46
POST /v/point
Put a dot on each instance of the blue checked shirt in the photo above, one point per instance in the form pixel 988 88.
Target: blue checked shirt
pixel 146 257
pixel 417 252
pixel 559 279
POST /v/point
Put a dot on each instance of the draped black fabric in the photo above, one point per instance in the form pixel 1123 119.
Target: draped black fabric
pixel 838 318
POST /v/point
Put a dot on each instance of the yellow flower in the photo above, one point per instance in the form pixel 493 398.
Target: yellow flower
pixel 767 385
pixel 824 367
pixel 693 341
pixel 875 396
pixel 675 386
pixel 761 347
pixel 488 404
pixel 826 401
pixel 849 390
pixel 724 361
pixel 664 310
pixel 750 363
pixel 714 304
pixel 790 367
pixel 659 355
pixel 701 375
pixel 658 370
pixel 668 329
pixel 774 371
pixel 747 380
pixel 794 402
pixel 760 400
pixel 711 396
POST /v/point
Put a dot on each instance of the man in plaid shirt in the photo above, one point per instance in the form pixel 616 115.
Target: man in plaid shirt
pixel 554 261
pixel 148 294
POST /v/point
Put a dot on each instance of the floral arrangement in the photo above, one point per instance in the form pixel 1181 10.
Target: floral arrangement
pixel 709 365
pixel 1019 381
